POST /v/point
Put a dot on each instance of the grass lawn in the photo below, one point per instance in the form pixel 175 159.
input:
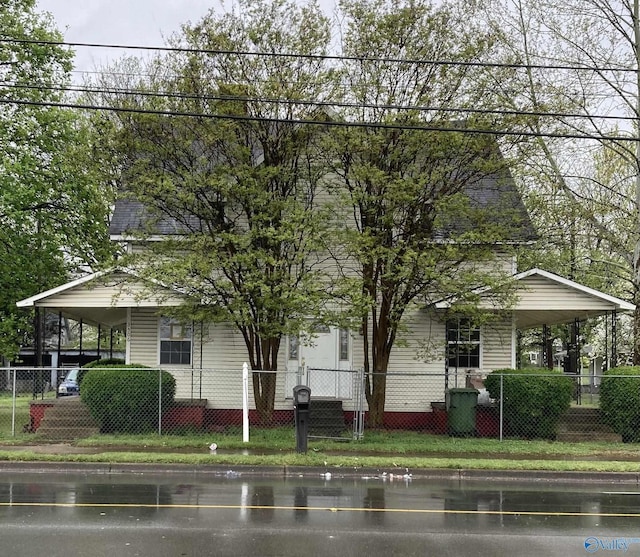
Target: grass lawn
pixel 276 447
pixel 21 415
pixel 386 450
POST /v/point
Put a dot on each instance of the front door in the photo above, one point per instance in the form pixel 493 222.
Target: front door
pixel 318 362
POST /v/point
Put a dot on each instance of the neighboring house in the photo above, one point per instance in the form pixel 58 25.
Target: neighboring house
pixel 436 353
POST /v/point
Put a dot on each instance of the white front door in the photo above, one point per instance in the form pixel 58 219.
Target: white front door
pixel 318 362
pixel 320 358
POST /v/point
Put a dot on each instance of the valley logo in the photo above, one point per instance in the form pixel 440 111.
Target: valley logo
pixel 593 544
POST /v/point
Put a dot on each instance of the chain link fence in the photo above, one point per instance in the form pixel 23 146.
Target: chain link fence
pixel 45 403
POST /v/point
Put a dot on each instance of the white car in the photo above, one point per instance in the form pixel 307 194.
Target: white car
pixel 69 385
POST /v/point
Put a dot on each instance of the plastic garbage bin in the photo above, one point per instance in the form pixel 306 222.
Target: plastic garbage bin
pixel 461 411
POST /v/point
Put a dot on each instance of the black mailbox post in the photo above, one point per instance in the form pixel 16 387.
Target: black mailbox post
pixel 301 411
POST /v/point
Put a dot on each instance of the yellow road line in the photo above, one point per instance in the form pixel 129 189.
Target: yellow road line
pixel 330 509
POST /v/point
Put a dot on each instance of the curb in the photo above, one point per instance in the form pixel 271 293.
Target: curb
pixel 367 474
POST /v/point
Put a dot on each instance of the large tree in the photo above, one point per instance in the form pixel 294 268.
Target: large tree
pixel 409 167
pixel 53 213
pixel 580 63
pixel 239 176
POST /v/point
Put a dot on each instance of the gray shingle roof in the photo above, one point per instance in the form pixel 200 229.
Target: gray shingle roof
pixel 130 217
pixel 497 195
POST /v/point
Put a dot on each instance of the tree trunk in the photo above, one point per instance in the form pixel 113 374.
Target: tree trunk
pixel 376 397
pixel 264 364
pixel 264 388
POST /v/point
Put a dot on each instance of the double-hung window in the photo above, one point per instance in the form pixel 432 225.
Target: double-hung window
pixel 175 342
pixel 463 344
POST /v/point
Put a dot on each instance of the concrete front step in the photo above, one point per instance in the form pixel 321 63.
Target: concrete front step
pixel 582 411
pixel 586 427
pixel 68 418
pixel 67 433
pixel 581 424
pixel 580 437
pixel 327 418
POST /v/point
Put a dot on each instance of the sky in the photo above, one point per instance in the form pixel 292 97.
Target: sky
pixel 128 22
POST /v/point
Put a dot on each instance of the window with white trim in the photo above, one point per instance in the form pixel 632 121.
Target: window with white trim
pixel 463 344
pixel 344 345
pixel 175 342
pixel 294 344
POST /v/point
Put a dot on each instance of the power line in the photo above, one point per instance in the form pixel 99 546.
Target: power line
pixel 506 65
pixel 302 102
pixel 328 123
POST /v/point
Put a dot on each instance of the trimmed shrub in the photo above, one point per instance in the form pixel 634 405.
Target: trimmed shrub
pixel 533 400
pixel 620 401
pixel 124 399
pixel 104 362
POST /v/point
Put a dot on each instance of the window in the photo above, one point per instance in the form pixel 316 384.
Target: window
pixel 463 344
pixel 175 342
pixel 344 344
pixel 294 343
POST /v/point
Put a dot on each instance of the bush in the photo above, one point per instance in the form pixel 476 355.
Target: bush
pixel 104 362
pixel 124 399
pixel 533 400
pixel 620 401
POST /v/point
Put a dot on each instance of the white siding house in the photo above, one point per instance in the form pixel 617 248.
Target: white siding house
pixel 418 364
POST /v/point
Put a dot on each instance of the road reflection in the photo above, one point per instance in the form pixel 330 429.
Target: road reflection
pixel 378 502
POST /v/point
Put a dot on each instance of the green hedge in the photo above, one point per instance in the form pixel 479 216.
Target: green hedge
pixel 533 401
pixel 620 401
pixel 104 362
pixel 124 398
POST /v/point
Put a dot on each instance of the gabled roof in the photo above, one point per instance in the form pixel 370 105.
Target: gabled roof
pixel 494 192
pixel 498 195
pixel 32 301
pixel 547 298
pixel 130 217
pixel 103 297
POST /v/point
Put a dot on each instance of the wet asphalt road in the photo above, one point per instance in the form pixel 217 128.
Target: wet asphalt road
pixel 228 513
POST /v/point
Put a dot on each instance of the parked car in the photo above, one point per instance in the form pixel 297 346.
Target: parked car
pixel 70 385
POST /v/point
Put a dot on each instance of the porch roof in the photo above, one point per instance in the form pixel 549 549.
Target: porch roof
pixel 545 298
pixel 103 297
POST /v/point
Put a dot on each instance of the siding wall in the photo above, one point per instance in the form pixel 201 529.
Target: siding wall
pixel 221 358
pixel 142 337
pixel 417 367
pixel 116 293
pixel 540 293
pixel 497 345
pixel 416 370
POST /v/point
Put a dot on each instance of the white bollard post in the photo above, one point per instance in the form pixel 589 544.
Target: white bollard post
pixel 13 404
pixel 245 403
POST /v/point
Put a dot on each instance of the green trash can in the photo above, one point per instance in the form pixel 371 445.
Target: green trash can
pixel 461 411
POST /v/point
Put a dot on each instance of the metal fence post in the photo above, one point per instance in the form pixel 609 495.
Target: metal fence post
pixel 160 402
pixel 358 415
pixel 501 404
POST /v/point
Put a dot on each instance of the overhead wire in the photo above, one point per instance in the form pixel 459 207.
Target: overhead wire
pixel 558 115
pixel 327 123
pixel 337 57
pixel 303 102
